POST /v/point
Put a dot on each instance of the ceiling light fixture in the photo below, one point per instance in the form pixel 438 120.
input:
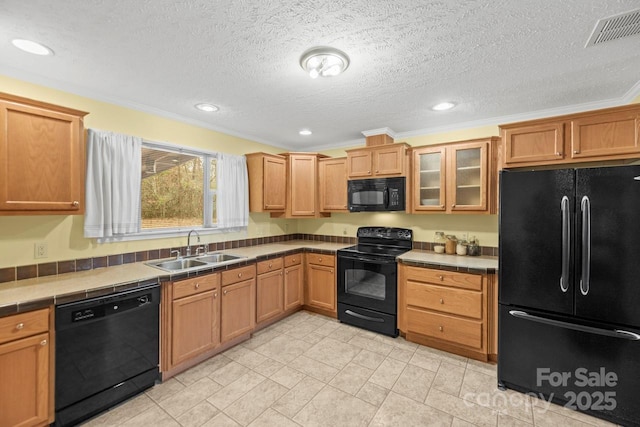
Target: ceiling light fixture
pixel 324 62
pixel 31 47
pixel 443 106
pixel 305 132
pixel 207 108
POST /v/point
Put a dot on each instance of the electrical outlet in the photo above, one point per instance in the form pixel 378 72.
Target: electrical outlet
pixel 41 250
pixel 344 231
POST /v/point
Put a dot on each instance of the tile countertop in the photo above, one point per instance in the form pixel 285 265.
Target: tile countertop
pixel 483 264
pixel 23 295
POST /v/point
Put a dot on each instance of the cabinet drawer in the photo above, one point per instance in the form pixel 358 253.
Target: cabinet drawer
pixel 294 259
pixel 445 327
pixel 448 300
pixel 184 288
pixel 270 265
pixel 445 278
pixel 23 325
pixel 321 259
pixel 238 274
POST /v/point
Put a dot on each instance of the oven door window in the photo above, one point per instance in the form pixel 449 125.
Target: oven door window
pixel 367 284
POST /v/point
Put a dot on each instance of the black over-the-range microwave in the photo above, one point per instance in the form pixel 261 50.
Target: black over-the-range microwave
pixel 376 195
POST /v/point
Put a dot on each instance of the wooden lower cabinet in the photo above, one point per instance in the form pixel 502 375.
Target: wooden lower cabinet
pixel 321 283
pixel 293 282
pixel 238 305
pixel 449 310
pixel 26 356
pixel 269 289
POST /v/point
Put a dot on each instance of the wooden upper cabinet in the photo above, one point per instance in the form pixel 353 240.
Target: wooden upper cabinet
pixel 333 184
pixel 303 173
pixel 42 158
pixel 267 182
pixel 536 143
pixel 605 135
pixel 455 177
pixel 377 161
pixel 600 135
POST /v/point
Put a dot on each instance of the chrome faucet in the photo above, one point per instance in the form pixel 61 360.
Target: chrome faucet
pixel 189 241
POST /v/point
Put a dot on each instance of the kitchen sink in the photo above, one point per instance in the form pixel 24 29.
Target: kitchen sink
pixel 217 258
pixel 208 260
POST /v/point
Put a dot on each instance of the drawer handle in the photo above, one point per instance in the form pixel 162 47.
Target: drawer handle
pixel 270 265
pixel 319 259
pixel 441 278
pixel 20 326
pixel 197 285
pixel 441 328
pixel 239 274
pixel 43 342
pixel 441 301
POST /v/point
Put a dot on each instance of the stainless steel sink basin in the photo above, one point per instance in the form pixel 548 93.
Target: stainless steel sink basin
pixel 218 258
pixel 178 264
pixel 207 260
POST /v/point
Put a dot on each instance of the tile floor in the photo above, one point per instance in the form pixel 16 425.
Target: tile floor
pixel 309 370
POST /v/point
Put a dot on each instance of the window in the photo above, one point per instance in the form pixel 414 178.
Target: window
pixel 178 188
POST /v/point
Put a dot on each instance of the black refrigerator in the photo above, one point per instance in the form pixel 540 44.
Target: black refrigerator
pixel 569 288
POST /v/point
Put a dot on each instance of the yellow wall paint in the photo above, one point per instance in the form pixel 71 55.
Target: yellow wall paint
pixel 64 234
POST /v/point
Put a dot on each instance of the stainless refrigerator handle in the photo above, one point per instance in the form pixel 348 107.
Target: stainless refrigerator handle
pixel 585 206
pixel 566 244
pixel 615 333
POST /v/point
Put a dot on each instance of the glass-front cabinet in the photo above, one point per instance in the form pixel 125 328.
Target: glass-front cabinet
pixel 454 177
pixel 429 179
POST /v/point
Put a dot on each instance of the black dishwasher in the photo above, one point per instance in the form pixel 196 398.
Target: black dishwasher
pixel 107 350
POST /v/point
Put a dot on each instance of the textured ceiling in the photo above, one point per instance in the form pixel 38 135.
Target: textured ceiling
pixel 500 60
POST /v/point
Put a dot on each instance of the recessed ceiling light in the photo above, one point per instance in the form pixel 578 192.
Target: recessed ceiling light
pixel 443 106
pixel 31 47
pixel 324 62
pixel 208 108
pixel 305 132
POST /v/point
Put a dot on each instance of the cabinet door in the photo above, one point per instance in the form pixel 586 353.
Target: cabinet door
pixel 274 184
pixel 41 160
pixel 389 161
pixel 359 164
pixel 468 183
pixel 537 143
pixel 195 325
pixel 303 175
pixel 293 291
pixel 24 388
pixel 333 185
pixel 238 309
pixel 269 295
pixel 429 165
pixel 605 135
pixel 321 287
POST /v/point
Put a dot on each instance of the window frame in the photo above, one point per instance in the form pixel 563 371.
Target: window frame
pixel 207 227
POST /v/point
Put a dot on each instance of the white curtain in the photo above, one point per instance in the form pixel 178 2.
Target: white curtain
pixel 112 184
pixel 233 191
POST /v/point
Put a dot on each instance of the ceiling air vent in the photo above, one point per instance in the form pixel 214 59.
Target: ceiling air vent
pixel 615 27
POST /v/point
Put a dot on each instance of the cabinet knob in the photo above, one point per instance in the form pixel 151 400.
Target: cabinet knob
pixel 19 326
pixel 239 274
pixel 75 203
pixel 319 259
pixel 270 265
pixel 441 328
pixel 576 151
pixel 197 285
pixel 224 292
pixel 294 260
pixel 331 271
pixel 377 171
pixel 441 301
pixel 43 342
pixel 286 272
pixel 369 172
pixel 558 154
pixel 453 206
pixel 441 278
pixel 215 295
pixel 281 273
